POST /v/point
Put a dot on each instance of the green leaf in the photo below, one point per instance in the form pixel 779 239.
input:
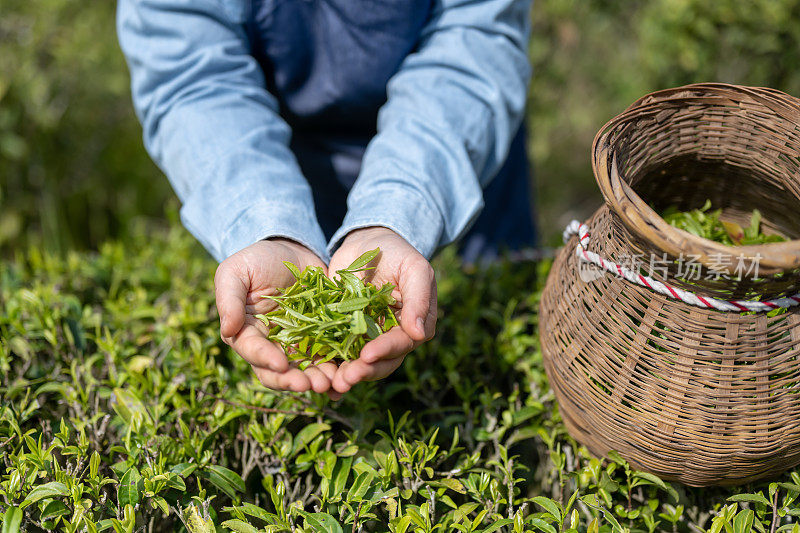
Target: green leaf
pixel 358 324
pixel 363 260
pixel 225 479
pixel 647 478
pixel 754 498
pixel 11 520
pixel 54 508
pixel 351 282
pixel 160 503
pixel 127 491
pixel 360 485
pixel 176 482
pixel 254 511
pixel 48 490
pixel 196 522
pixel 184 469
pixel 308 434
pixel 503 522
pixel 450 483
pixel 341 471
pixel 293 269
pixel 322 522
pixel 743 522
pixel 349 305
pixel 94 464
pixel 239 526
pixel 541 525
pixel 550 506
pixel 128 406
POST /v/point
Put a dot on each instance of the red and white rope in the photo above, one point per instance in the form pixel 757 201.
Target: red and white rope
pixel 579 229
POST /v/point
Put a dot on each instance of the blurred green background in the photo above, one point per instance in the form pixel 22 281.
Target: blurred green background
pixel 73 171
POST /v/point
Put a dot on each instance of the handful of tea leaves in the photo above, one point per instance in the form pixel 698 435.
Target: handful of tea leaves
pixel 706 223
pixel 321 318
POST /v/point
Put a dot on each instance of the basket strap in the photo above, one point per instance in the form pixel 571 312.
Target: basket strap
pixel 580 229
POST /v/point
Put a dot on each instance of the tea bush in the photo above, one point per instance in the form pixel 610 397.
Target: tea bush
pixel 123 411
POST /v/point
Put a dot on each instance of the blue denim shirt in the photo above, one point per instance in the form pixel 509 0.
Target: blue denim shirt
pixel 413 106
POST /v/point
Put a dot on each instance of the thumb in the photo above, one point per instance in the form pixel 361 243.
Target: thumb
pixel 231 293
pixel 418 289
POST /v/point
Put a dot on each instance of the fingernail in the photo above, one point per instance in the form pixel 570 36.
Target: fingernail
pixel 421 325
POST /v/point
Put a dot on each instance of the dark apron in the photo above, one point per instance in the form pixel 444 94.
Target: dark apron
pixel 328 63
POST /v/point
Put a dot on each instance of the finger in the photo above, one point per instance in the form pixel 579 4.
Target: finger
pixel 230 289
pixel 333 395
pixel 389 345
pixel 260 302
pixel 292 380
pixel 319 381
pixel 433 312
pixel 257 323
pixel 329 369
pixel 254 348
pixel 417 284
pixel 352 372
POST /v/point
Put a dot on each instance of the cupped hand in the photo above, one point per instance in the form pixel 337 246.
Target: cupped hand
pixel 241 281
pixel 402 265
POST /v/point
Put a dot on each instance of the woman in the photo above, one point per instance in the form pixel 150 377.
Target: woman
pixel 315 130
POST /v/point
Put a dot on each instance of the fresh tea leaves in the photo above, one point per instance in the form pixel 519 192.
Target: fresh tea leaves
pixel 706 223
pixel 320 318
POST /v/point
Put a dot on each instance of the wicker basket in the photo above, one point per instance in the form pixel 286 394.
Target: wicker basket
pixel 700 396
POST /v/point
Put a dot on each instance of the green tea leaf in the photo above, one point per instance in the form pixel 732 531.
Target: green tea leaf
pixel 322 522
pixel 360 486
pixel 350 305
pixel 196 522
pixel 293 269
pixel 363 260
pixel 705 223
pixel 127 491
pixel 319 319
pixel 239 526
pixel 48 490
pixel 550 506
pixel 743 522
pixel 754 498
pixel 225 479
pixel 11 520
pixel 307 434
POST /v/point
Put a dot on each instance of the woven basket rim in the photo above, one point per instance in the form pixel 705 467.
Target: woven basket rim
pixel 641 219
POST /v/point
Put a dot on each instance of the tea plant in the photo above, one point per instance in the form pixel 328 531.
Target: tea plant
pixel 122 411
pixel 320 318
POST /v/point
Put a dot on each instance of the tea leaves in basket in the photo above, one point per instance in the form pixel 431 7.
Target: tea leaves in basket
pixel 707 224
pixel 320 318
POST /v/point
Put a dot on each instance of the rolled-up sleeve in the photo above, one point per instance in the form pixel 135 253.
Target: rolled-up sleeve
pixel 451 113
pixel 212 126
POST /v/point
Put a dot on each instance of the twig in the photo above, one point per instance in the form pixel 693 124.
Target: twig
pixel 355 520
pixel 511 488
pixel 774 512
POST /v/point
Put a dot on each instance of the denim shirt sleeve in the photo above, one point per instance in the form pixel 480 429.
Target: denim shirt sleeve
pixel 211 125
pixel 452 111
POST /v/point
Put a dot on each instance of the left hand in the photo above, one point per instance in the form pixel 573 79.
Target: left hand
pixel 402 265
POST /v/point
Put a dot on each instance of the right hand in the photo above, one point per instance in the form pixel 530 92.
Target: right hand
pixel 241 281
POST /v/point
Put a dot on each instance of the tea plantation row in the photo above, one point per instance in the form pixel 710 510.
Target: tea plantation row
pixel 121 410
